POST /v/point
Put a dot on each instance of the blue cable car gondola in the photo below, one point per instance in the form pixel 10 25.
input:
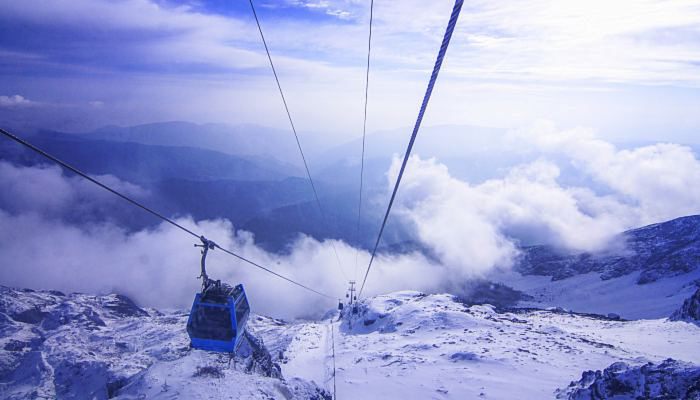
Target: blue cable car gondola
pixel 219 313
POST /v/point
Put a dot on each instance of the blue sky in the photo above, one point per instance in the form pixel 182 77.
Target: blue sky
pixel 627 69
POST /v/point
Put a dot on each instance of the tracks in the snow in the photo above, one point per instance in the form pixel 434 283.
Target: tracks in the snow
pixel 310 352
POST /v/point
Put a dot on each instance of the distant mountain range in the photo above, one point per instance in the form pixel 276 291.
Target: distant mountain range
pixel 239 140
pixel 174 162
pixel 141 163
pixel 253 176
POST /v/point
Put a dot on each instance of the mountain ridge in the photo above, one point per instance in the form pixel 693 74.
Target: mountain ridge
pixel 658 250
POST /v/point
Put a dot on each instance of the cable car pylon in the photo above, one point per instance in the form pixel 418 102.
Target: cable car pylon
pixel 350 295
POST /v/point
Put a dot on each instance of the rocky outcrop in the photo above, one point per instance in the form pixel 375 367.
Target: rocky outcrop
pixel 690 310
pixel 258 358
pixel 480 291
pixel 670 379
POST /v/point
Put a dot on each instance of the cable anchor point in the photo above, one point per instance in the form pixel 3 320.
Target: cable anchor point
pixel 206 246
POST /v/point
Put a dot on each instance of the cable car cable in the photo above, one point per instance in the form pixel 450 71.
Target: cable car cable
pixel 93 180
pixel 273 272
pixel 364 134
pixel 426 98
pixel 149 210
pixel 296 136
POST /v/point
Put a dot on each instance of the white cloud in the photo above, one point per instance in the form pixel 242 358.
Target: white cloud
pixel 15 101
pixel 158 266
pixel 505 58
pixel 477 227
pixel 607 41
pixel 662 180
pixel 601 41
pixel 338 9
pixel 45 190
pixel 472 228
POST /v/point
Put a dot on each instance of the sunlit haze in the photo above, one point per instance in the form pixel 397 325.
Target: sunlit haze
pixel 629 70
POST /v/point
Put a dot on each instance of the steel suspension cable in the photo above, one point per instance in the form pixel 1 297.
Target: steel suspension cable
pixel 148 209
pixel 93 180
pixel 426 98
pixel 296 136
pixel 364 134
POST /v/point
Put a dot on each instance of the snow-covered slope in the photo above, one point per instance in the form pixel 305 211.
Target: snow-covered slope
pixel 588 293
pixel 648 273
pixel 404 345
pixel 97 347
pixel 408 345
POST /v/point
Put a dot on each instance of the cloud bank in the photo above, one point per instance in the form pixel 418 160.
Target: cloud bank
pixel 470 228
pixel 15 101
pixel 40 248
pixel 480 226
pixel 661 180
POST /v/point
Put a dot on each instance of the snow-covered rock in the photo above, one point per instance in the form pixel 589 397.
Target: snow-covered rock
pixel 406 345
pixel 656 251
pixel 668 380
pixel 81 346
pixel 690 310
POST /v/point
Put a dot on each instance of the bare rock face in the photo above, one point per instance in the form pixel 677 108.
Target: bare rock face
pixel 257 358
pixel 670 379
pixel 690 310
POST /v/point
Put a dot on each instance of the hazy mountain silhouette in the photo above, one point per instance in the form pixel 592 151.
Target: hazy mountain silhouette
pixel 240 140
